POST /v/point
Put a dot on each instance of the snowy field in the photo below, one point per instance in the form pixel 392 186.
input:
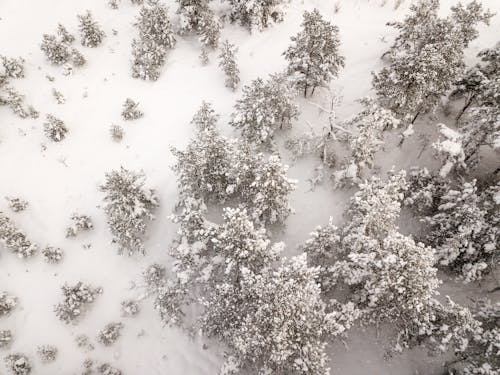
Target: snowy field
pixel 60 178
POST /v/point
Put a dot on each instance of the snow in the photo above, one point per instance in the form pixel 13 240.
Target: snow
pixel 64 177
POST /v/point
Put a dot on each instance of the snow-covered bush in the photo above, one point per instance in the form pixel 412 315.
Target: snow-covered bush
pixel 257 14
pixel 275 321
pixel 466 238
pixel 7 303
pixel 131 110
pixel 79 223
pixel 90 31
pixel 110 333
pixel 6 338
pixel 58 96
pixel 107 369
pixel 77 58
pixel 54 128
pixel 14 239
pixel 424 191
pixel 130 308
pixel 155 39
pixel 314 58
pixel 427 56
pixel 77 299
pixel 227 61
pixel 17 204
pixel 52 254
pixel 264 107
pixel 18 364
pixel 129 206
pixel 47 353
pixel 11 68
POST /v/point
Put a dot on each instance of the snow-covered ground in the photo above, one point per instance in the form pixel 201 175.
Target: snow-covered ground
pixel 60 178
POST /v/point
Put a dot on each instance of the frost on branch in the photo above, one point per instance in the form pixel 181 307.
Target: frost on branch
pixel 14 239
pixel 129 206
pixel 77 299
pixel 426 57
pixel 265 107
pixel 257 14
pixel 227 61
pixel 7 303
pixel 90 31
pixel 314 58
pixel 54 128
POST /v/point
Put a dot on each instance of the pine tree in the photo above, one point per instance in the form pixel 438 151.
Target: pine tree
pixel 205 118
pixel 14 239
pixel 314 58
pixel 131 111
pixel 56 51
pixel 228 64
pixel 257 14
pixel 427 57
pixel 90 31
pixel 129 206
pixel 77 299
pixel 264 107
pixel 54 128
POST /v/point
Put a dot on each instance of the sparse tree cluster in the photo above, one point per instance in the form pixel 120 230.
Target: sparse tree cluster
pixel 314 58
pixel 58 48
pixel 156 37
pixel 79 223
pixel 264 107
pixel 129 207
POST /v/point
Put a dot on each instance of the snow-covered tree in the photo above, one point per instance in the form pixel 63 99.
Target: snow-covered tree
pixel 18 364
pixel 7 303
pixel 131 110
pixel 64 34
pixel 275 321
pixel 90 31
pixel 14 239
pixel 56 50
pixel 424 191
pixel 314 58
pixel 52 254
pixel 77 299
pixel 130 308
pixel 129 207
pixel 156 37
pixel 6 338
pixel 267 195
pixel 197 16
pixel 54 128
pixel 17 204
pixel 426 57
pixel 205 117
pixel 117 133
pixel 257 14
pixel 264 107
pixel 110 333
pixel 465 241
pixel 227 61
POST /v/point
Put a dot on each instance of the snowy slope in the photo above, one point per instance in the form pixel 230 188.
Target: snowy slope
pixel 64 177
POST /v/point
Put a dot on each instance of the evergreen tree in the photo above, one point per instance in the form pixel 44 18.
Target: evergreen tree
pixel 264 107
pixel 314 58
pixel 197 16
pixel 427 56
pixel 77 299
pixel 256 14
pixel 91 33
pixel 14 239
pixel 54 128
pixel 129 206
pixel 227 62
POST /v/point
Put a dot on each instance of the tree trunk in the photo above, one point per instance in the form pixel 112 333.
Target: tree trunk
pixel 467 105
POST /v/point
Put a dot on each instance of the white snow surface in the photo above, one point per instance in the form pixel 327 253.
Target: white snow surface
pixel 64 178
